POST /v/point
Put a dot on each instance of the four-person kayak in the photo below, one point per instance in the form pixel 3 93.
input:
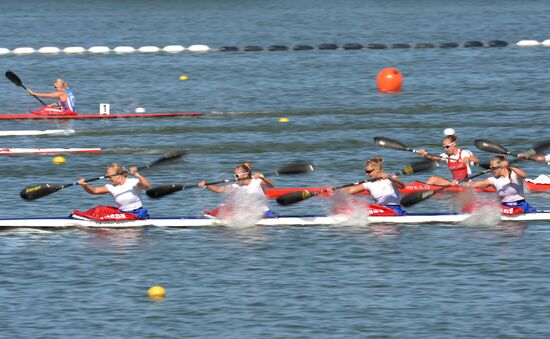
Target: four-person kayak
pixel 36 132
pixel 95 116
pixel 416 186
pixel 296 220
pixel 15 151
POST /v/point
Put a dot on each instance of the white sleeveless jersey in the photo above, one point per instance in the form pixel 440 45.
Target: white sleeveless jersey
pixel 383 192
pixel 253 190
pixel 547 159
pixel 127 195
pixel 509 190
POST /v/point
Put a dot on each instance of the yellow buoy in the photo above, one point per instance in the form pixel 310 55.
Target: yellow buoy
pixel 283 120
pixel 183 77
pixel 156 292
pixel 58 160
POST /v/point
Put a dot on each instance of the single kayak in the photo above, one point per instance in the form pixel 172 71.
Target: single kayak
pixel 296 220
pixel 273 193
pixel 95 116
pixel 14 151
pixel 37 132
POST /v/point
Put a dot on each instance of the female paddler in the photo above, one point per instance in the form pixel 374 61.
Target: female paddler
pixel 126 191
pixel 248 183
pixel 458 160
pixel 508 182
pixel 383 187
pixel 66 99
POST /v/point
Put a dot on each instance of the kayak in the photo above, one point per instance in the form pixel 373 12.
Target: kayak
pixel 14 151
pixel 416 186
pixel 95 116
pixel 37 132
pixel 296 220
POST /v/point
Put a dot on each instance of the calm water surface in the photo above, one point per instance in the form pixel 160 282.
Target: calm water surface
pixel 392 281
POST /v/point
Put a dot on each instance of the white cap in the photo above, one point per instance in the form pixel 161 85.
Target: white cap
pixel 449 131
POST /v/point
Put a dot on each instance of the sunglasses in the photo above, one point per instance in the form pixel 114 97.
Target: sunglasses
pixel 237 176
pixel 448 146
pixel 369 171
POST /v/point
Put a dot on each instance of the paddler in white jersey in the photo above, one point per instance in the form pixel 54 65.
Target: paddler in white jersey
pixel 508 182
pixel 66 99
pixel 458 160
pixel 383 187
pixel 126 191
pixel 247 182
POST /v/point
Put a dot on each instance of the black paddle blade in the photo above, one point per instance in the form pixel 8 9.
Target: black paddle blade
pixel 542 147
pixel 416 197
pixel 39 191
pixel 161 191
pixel 14 78
pixel 390 143
pixel 294 197
pixel 419 166
pixel 488 146
pixel 296 168
pixel 168 157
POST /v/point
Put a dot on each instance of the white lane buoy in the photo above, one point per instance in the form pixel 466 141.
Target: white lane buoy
pixel 140 110
pixel 99 49
pixel 49 50
pixel 24 50
pixel 4 51
pixel 449 131
pixel 124 49
pixel 546 43
pixel 74 50
pixel 528 43
pixel 173 48
pixel 198 48
pixel 149 49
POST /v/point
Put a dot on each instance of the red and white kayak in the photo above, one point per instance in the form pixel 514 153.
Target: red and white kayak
pixel 41 151
pixel 416 186
pixel 95 116
pixel 36 132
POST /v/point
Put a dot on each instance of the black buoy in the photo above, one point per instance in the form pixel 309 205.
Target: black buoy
pixel 400 46
pixel 448 45
pixel 497 43
pixel 253 49
pixel 302 47
pixel 352 46
pixel 276 48
pixel 473 44
pixel 424 45
pixel 229 49
pixel 377 46
pixel 328 46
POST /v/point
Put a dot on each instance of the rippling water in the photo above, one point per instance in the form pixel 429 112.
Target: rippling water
pixel 385 281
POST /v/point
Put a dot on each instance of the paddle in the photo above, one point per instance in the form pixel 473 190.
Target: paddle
pixel 397 145
pixel 41 190
pixel 419 196
pixel 489 146
pixel 17 81
pixel 294 197
pixel 161 191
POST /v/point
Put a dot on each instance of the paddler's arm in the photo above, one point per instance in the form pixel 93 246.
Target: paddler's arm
pixel 91 189
pixel 471 159
pixel 265 180
pixel 394 179
pixel 354 189
pixel 425 154
pixel 54 95
pixel 474 184
pixel 213 188
pixel 539 158
pixel 143 181
pixel 520 173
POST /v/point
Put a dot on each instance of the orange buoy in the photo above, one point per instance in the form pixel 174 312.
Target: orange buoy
pixel 389 80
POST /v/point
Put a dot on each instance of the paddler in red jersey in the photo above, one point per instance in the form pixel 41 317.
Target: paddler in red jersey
pixel 248 183
pixel 383 187
pixel 64 105
pixel 126 191
pixel 458 160
pixel 508 182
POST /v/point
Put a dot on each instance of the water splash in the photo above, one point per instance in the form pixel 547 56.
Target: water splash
pixel 352 210
pixel 485 210
pixel 242 209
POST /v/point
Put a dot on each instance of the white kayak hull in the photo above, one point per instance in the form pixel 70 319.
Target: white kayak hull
pixel 320 220
pixel 37 132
